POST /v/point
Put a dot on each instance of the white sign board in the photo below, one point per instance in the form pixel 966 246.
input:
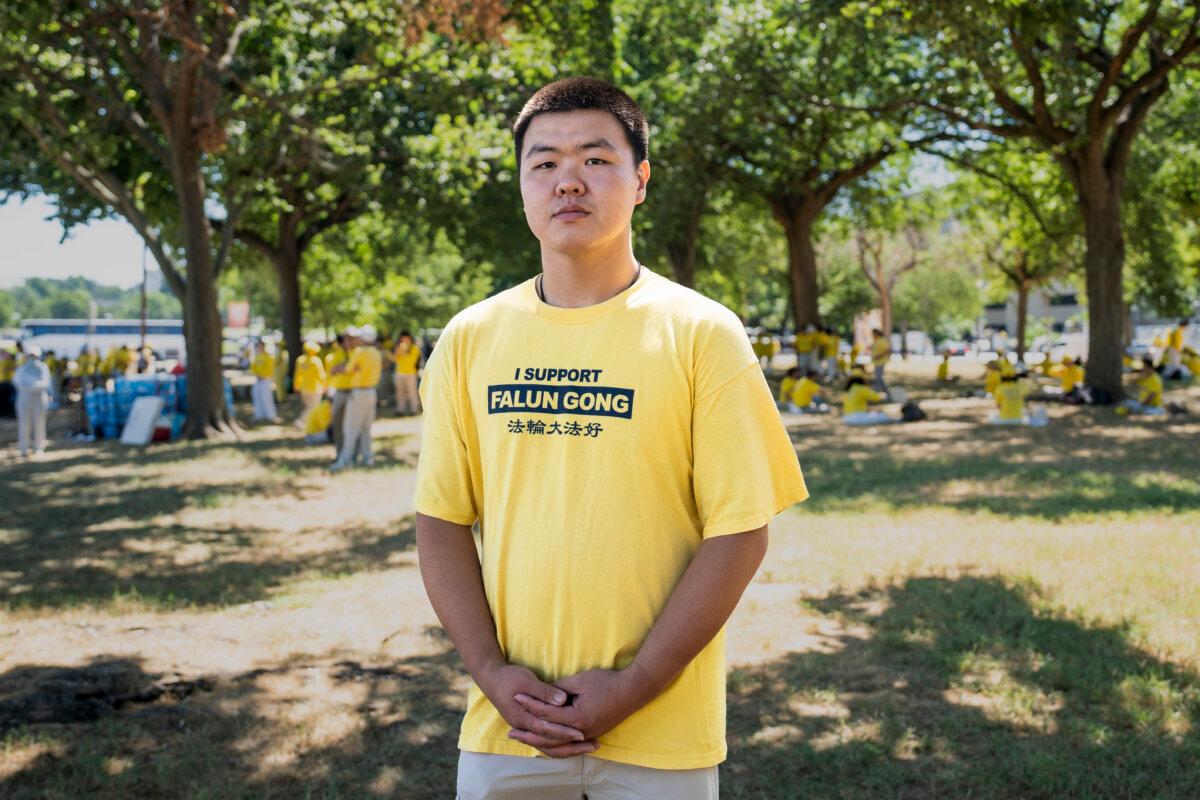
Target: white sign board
pixel 139 427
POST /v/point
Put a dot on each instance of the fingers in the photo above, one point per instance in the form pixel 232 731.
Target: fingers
pixel 564 716
pixel 548 729
pixel 551 695
pixel 551 747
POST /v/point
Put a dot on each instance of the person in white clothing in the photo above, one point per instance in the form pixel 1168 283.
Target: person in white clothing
pixel 32 382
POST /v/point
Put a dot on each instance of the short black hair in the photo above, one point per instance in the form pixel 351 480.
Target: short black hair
pixel 582 94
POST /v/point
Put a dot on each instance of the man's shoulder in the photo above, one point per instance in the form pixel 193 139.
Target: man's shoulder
pixel 486 311
pixel 683 306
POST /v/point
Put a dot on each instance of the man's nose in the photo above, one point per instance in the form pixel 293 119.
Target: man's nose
pixel 570 185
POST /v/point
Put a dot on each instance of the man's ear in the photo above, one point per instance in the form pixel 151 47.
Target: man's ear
pixel 643 176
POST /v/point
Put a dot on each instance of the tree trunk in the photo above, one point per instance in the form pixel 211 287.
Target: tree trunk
pixel 885 309
pixel 797 221
pixel 206 409
pixel 287 273
pixel 1022 317
pixel 682 253
pixel 1104 262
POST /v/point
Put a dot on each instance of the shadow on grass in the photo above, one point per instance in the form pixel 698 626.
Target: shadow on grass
pixel 940 688
pixel 112 730
pixel 69 570
pixel 964 687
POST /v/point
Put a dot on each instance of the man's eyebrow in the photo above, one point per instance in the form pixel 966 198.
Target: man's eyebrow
pixel 601 143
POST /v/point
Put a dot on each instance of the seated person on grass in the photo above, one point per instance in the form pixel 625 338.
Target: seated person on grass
pixel 785 387
pixel 943 370
pixel 854 404
pixel 1150 394
pixel 804 398
pixel 1010 398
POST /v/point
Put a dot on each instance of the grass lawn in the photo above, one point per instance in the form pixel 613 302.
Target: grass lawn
pixel 958 611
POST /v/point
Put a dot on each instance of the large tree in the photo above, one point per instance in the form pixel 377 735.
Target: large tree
pixel 1077 78
pixel 816 101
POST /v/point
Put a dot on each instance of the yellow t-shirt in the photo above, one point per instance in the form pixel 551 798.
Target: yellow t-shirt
pixel 263 366
pixel 829 344
pixel 337 380
pixel 309 375
pixel 407 360
pixel 319 419
pixel 943 370
pixel 1070 375
pixel 1175 338
pixel 991 380
pixel 531 432
pixel 364 367
pixel 1010 396
pixel 8 368
pixel 881 351
pixel 858 398
pixel 804 391
pixel 805 342
pixel 1151 393
pixel 785 389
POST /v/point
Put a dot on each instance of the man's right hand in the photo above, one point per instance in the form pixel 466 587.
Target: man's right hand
pixel 503 683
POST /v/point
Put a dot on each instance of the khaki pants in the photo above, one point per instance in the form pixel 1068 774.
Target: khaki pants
pixel 263 394
pixel 31 421
pixel 337 419
pixel 407 398
pixel 485 776
pixel 356 428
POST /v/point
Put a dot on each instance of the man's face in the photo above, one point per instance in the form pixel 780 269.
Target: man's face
pixel 579 183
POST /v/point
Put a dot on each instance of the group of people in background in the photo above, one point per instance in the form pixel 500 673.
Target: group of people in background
pixel 1006 382
pixel 339 387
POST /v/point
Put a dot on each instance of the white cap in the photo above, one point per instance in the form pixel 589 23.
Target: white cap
pixel 367 333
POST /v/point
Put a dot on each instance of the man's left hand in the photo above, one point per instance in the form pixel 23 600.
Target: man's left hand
pixel 600 700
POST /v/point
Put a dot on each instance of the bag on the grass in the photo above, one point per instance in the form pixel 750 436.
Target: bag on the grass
pixel 911 412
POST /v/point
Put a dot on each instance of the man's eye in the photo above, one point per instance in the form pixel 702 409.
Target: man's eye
pixel 544 164
pixel 597 160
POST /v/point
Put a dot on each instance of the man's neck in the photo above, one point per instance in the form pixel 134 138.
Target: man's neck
pixel 577 280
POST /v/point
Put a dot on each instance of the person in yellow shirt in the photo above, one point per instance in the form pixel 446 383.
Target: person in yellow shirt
pixel 1173 356
pixel 1150 394
pixel 263 393
pixel 339 382
pixel 1011 396
pixel 1070 378
pixel 830 345
pixel 592 620
pixel 282 360
pixel 943 370
pixel 362 373
pixel 308 380
pixel 1191 361
pixel 785 387
pixel 805 397
pixel 8 392
pixel 856 401
pixel 407 357
pixel 881 354
pixel 316 427
pixel 806 348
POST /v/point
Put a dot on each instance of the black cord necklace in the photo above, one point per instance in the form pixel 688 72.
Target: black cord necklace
pixel 537 284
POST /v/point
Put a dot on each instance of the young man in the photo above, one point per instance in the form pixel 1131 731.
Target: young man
pixel 614 437
pixel 881 354
pixel 408 363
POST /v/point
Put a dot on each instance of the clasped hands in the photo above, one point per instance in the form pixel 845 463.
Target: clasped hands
pixel 563 719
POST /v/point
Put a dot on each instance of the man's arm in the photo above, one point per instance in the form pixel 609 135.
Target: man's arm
pixel 454 582
pixel 697 608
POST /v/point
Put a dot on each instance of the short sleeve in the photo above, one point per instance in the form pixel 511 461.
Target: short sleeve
pixel 443 467
pixel 745 469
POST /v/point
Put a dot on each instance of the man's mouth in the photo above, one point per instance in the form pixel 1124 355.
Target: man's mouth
pixel 569 212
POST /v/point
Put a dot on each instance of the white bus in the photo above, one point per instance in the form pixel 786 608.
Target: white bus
pixel 68 337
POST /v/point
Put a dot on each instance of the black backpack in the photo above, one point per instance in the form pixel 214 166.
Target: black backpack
pixel 911 412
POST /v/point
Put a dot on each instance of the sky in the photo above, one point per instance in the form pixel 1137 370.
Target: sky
pixel 108 252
